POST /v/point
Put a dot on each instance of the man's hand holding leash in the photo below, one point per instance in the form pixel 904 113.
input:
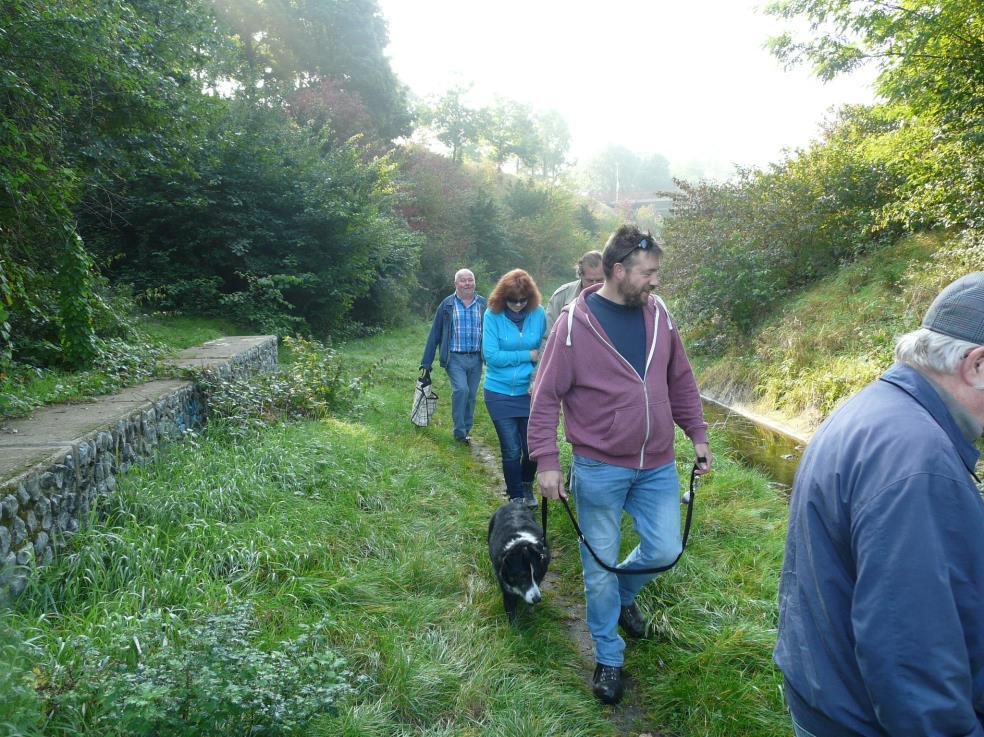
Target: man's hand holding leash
pixel 703 464
pixel 551 485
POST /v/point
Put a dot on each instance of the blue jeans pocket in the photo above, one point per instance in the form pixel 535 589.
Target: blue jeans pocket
pixel 580 460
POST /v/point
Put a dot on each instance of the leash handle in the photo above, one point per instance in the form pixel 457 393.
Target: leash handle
pixel 689 494
pixel 688 499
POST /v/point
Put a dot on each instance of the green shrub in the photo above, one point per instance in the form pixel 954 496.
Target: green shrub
pixel 262 304
pixel 737 249
pixel 273 223
pixel 159 676
pixel 193 296
pixel 312 383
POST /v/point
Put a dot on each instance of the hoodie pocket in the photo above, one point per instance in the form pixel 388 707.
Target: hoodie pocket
pixel 626 433
pixel 661 429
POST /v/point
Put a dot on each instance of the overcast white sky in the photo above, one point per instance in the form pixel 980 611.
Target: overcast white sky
pixel 689 79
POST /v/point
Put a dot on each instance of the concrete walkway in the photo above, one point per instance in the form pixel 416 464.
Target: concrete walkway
pixel 57 462
pixel 50 432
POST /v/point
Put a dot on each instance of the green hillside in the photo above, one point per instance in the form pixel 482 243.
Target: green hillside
pixel 823 344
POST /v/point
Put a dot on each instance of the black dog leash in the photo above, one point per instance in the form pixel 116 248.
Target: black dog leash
pixel 688 500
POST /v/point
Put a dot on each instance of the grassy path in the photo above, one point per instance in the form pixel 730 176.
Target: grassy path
pixel 381 527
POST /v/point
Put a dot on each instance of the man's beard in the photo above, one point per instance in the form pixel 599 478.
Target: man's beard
pixel 632 298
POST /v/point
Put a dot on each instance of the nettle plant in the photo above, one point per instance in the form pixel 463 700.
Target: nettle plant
pixel 159 676
pixel 314 383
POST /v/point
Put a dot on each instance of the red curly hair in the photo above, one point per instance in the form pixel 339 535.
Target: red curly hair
pixel 513 284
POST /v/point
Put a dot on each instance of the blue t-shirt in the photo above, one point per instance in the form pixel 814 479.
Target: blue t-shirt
pixel 625 328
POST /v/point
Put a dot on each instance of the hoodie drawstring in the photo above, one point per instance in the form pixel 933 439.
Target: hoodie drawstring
pixel 570 323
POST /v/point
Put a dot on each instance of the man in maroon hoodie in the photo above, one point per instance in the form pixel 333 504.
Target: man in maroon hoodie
pixel 615 363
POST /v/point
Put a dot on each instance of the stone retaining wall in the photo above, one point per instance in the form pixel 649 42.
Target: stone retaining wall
pixel 56 464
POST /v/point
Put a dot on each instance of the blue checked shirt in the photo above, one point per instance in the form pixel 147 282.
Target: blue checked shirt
pixel 466 327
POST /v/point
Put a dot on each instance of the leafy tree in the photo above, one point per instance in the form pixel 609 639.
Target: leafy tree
pixel 587 220
pixel 929 51
pixel 456 124
pixel 435 201
pixel 273 225
pixel 527 198
pixel 488 232
pixel 287 44
pixel 327 107
pixel 931 61
pixel 527 146
pixel 90 91
pixel 554 141
pixel 544 228
pixel 618 170
pixel 508 131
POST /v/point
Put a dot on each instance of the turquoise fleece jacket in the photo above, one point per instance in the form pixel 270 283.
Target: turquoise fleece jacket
pixel 506 350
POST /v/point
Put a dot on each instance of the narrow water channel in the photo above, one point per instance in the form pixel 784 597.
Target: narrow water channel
pixel 758 446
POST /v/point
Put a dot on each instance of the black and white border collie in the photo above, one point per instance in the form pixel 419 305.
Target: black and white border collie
pixel 519 555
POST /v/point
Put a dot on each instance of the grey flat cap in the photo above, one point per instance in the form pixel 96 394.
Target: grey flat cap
pixel 958 311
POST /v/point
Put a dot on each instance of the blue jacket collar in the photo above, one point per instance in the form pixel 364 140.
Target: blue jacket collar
pixel 915 385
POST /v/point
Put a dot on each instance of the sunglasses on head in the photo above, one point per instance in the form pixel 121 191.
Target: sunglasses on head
pixel 644 244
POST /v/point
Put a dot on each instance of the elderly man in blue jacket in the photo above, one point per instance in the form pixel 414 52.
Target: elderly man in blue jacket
pixel 457 332
pixel 881 601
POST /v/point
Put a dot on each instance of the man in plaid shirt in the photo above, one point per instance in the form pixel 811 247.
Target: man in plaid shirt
pixel 457 330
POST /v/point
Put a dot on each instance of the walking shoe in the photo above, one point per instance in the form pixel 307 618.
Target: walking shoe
pixel 606 683
pixel 530 498
pixel 632 622
pixel 466 440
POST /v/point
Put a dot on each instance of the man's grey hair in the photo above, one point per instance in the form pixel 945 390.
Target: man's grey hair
pixel 930 350
pixel 591 259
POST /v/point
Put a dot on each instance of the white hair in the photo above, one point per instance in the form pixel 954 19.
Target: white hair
pixel 926 349
pixel 459 272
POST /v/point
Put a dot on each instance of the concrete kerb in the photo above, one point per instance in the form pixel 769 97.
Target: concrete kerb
pixel 55 464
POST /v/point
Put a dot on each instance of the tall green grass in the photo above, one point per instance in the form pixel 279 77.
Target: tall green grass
pixel 381 527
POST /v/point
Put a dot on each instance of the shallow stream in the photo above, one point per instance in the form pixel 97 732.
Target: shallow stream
pixel 764 448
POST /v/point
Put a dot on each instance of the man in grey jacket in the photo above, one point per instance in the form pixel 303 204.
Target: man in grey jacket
pixel 589 272
pixel 881 598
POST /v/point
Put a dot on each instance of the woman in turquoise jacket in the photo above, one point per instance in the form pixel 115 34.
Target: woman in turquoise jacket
pixel 513 326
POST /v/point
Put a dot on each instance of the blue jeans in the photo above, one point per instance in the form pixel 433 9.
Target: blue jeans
pixel 651 496
pixel 517 467
pixel 799 731
pixel 465 373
